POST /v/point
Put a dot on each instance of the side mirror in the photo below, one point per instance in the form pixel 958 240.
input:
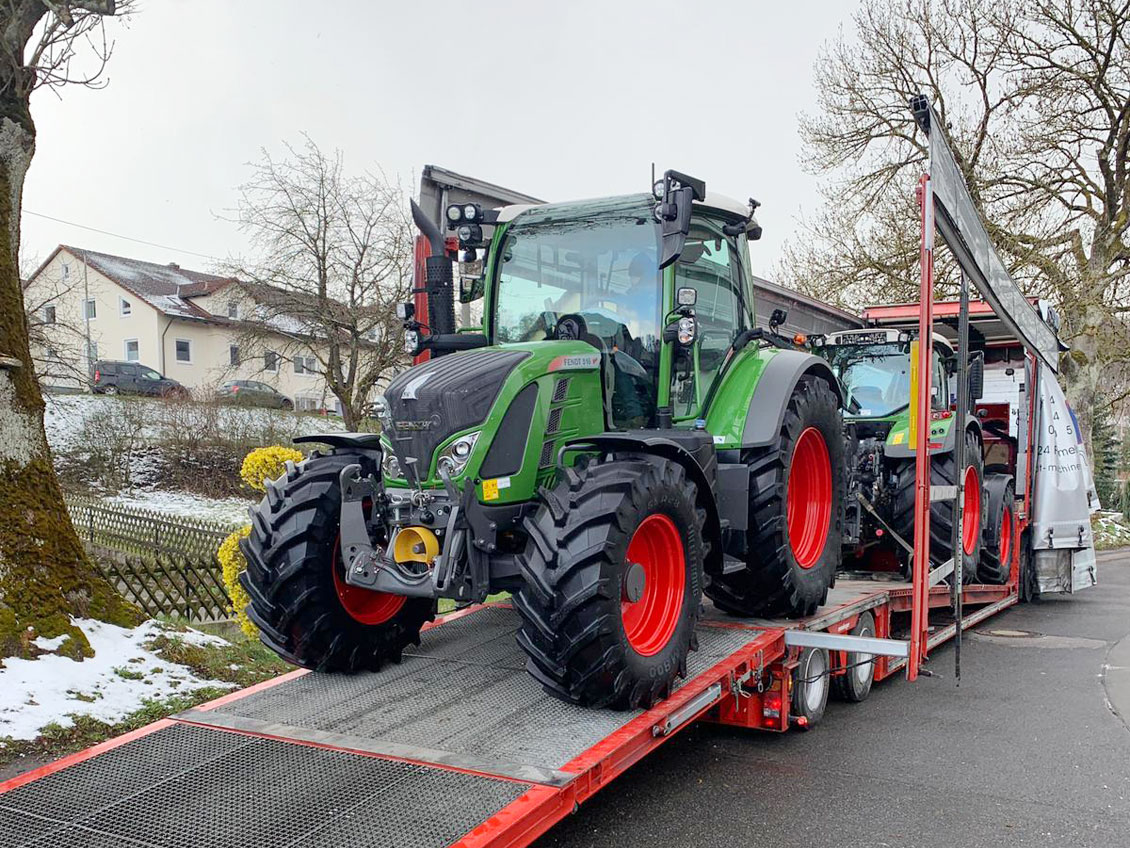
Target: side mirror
pixel 471 289
pixel 676 194
pixel 976 375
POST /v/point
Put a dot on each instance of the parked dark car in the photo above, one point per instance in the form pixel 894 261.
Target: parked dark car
pixel 109 377
pixel 253 393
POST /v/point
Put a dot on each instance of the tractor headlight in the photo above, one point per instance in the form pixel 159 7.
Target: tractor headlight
pixel 453 458
pixel 686 330
pixel 390 466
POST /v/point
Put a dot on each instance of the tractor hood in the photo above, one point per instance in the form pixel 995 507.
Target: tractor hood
pixel 492 412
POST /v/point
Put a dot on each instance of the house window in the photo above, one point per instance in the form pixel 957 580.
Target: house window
pixel 91 309
pixel 49 315
pixel 183 350
pixel 132 350
pixel 124 306
pixel 233 309
pixel 270 361
pixel 307 404
pixel 66 271
pixel 305 365
pixel 233 354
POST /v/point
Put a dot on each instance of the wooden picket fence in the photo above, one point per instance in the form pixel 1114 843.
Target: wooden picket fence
pixel 142 531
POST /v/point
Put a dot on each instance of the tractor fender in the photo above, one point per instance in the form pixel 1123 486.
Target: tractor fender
pixel 904 452
pixel 692 449
pixel 771 396
pixel 361 442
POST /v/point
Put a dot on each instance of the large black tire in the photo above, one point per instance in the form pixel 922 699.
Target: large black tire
pixel 585 643
pixel 999 534
pixel 783 575
pixel 941 512
pixel 854 685
pixel 1029 588
pixel 306 614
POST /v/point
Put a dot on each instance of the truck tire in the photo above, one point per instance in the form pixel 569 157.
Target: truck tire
pixel 810 687
pixel 999 535
pixel 796 496
pixel 854 685
pixel 1029 589
pixel 304 609
pixel 613 582
pixel 941 512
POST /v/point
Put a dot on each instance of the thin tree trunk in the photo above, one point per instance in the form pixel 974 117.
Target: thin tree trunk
pixel 45 576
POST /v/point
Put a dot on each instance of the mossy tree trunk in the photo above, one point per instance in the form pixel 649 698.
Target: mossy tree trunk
pixel 45 575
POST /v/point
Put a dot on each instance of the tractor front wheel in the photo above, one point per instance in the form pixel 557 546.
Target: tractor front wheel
pixel 613 582
pixel 304 609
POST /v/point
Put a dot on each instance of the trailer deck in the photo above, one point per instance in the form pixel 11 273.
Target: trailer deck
pixel 455 745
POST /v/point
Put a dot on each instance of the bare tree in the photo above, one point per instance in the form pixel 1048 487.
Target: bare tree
pixel 1035 95
pixel 45 576
pixel 335 256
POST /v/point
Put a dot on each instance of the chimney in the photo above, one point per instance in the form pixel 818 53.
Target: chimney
pixel 174 266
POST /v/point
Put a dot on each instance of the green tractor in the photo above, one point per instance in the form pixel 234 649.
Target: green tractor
pixel 873 366
pixel 617 440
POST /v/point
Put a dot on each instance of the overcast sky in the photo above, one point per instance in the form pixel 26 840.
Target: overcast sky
pixel 560 100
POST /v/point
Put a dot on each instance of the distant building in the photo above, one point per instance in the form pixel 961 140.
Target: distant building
pixel 188 325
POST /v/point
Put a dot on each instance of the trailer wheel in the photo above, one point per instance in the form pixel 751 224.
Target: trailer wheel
pixel 304 609
pixel 796 491
pixel 613 582
pixel 810 686
pixel 855 683
pixel 941 512
pixel 999 535
pixel 1029 589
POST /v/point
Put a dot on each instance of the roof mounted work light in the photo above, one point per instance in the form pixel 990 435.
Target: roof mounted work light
pixel 463 213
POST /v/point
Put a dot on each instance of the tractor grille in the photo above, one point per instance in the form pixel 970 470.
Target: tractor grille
pixel 548 454
pixel 554 423
pixel 561 390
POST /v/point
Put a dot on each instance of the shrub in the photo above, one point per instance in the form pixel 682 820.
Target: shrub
pixel 267 464
pixel 232 561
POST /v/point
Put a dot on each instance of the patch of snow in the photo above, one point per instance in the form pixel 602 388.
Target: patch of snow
pixel 197 637
pixel 45 644
pixel 231 511
pixel 115 682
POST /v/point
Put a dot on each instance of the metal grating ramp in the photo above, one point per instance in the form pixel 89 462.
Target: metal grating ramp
pixel 191 787
pixel 463 695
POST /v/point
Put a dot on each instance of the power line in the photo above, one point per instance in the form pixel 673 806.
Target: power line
pixel 120 236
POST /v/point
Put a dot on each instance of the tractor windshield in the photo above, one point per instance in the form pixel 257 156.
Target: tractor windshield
pixel 875 377
pixel 588 271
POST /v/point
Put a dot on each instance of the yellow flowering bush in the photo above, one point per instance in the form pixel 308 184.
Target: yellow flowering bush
pixel 232 560
pixel 267 464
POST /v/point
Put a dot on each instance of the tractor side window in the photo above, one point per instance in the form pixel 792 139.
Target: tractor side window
pixel 711 265
pixel 941 393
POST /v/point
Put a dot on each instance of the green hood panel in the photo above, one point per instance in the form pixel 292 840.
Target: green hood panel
pixel 569 404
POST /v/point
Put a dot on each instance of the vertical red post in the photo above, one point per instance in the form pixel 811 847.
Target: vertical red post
pixel 920 610
pixel 419 288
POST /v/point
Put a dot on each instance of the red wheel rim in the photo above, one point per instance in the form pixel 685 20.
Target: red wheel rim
pixel 1006 537
pixel 971 511
pixel 650 622
pixel 363 605
pixel 809 501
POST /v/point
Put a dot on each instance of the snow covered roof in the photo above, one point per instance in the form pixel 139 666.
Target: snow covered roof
pixel 167 288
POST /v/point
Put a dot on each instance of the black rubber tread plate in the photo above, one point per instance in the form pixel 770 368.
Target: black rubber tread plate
pixel 192 787
pixel 464 690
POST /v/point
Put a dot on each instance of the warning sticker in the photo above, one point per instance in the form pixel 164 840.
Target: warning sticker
pixel 490 490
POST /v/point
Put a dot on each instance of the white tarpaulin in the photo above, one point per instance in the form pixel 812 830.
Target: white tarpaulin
pixel 1065 497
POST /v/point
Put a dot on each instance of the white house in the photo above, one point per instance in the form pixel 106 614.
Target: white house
pixel 188 325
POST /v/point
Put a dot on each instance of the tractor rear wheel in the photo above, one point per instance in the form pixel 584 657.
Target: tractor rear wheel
pixel 796 495
pixel 613 582
pixel 999 535
pixel 304 609
pixel 941 512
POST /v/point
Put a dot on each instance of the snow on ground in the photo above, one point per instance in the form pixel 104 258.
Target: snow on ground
pixel 231 511
pixel 109 686
pixel 64 416
pixel 1110 529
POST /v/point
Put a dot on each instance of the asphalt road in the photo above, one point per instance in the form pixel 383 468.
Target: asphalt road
pixel 1033 748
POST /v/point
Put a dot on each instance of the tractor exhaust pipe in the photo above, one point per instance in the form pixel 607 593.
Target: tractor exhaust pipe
pixel 438 280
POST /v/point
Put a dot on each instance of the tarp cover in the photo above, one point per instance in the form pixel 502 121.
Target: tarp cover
pixel 1065 496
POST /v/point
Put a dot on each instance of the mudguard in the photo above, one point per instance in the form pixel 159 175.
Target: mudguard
pixel 770 397
pixel 352 441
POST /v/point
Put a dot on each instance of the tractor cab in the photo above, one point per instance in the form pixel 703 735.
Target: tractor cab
pixel 873 366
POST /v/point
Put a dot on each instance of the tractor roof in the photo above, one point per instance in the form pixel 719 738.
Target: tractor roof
pixel 719 202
